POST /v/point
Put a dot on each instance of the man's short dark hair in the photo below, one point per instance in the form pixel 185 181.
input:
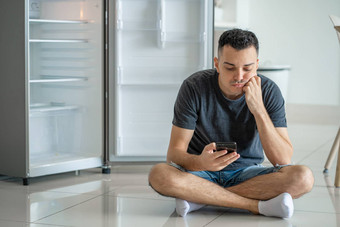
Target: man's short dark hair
pixel 238 39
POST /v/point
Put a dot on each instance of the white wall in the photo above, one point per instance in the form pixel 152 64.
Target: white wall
pixel 299 33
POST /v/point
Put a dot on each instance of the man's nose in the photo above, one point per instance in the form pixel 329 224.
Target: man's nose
pixel 239 74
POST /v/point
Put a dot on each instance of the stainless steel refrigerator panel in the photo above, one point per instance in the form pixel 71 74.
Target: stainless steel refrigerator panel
pixel 13 89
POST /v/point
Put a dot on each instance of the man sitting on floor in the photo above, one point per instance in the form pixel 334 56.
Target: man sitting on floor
pixel 231 104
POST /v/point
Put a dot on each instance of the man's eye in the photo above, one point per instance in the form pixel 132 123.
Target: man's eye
pixel 230 69
pixel 247 69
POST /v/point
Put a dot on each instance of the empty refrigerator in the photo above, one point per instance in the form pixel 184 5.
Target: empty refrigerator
pixel 86 83
pixel 54 81
pixel 65 84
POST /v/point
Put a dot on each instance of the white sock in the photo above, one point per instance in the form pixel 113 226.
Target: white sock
pixel 183 207
pixel 281 206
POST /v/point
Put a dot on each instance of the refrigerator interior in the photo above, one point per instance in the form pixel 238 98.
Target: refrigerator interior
pixel 65 84
pixel 158 43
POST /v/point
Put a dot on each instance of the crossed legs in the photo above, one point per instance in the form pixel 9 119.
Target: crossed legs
pixel 169 181
pixel 296 180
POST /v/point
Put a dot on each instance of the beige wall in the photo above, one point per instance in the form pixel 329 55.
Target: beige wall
pixel 299 33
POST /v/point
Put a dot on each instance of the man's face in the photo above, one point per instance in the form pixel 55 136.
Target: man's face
pixel 235 68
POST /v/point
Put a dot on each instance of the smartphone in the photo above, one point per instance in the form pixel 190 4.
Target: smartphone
pixel 229 146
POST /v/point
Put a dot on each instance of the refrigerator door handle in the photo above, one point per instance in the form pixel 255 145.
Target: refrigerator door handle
pixel 106 168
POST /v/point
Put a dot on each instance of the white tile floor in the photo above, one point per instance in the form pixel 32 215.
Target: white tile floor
pixel 123 198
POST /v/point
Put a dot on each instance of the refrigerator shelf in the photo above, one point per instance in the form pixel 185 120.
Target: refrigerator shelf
pixel 58 41
pixel 51 108
pixel 63 162
pixel 38 105
pixel 38 21
pixel 39 159
pixel 165 36
pixel 57 80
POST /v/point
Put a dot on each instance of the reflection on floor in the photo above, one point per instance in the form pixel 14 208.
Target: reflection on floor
pixel 123 198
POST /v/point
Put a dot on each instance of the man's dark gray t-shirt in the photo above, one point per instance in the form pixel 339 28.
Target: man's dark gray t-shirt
pixel 202 107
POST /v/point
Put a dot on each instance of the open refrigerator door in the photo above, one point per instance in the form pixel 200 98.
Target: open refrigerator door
pixel 157 44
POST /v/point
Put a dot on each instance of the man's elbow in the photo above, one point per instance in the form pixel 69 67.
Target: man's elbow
pixel 284 160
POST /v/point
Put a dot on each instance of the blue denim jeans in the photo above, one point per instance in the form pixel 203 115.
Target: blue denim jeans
pixel 228 178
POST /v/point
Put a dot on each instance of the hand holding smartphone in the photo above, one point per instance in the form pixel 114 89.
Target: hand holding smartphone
pixel 229 146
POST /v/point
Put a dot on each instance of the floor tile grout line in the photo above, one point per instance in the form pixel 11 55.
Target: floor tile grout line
pixel 310 154
pixel 103 194
pixel 35 222
pixel 325 186
pixel 319 212
pixel 27 222
pixel 214 219
pixel 135 197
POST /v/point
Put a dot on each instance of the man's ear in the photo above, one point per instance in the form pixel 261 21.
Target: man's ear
pixel 216 64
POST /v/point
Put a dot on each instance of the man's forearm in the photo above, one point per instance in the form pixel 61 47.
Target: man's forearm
pixel 275 141
pixel 188 161
pixel 277 148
